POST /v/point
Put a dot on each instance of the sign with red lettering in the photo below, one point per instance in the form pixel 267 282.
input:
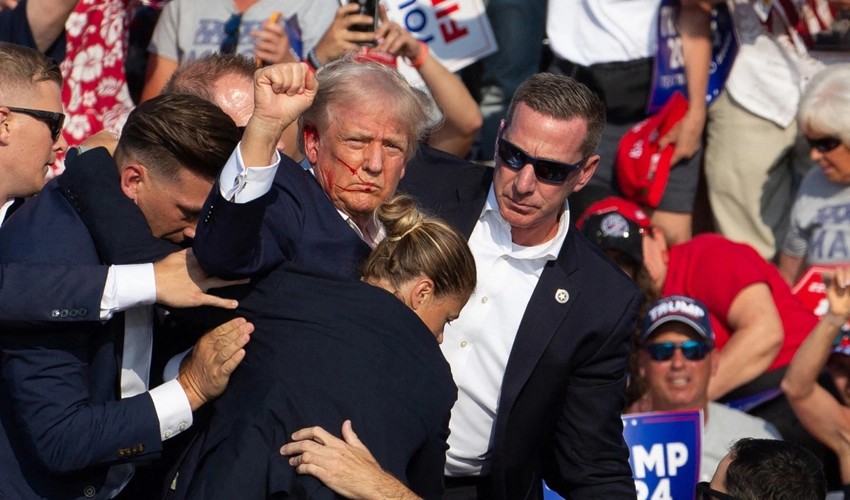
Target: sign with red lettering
pixel 812 291
pixel 457 31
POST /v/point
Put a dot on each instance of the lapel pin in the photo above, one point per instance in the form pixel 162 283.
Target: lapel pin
pixel 562 296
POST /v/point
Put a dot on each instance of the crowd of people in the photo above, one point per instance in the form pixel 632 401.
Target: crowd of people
pixel 209 282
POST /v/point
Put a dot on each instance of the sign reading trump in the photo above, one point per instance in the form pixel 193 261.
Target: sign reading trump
pixel 664 451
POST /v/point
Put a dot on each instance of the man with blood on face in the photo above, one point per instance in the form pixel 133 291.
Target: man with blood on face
pixel 359 123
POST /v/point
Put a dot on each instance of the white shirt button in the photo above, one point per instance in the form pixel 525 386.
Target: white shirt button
pixel 182 426
pixel 484 300
pixel 463 343
pixel 167 434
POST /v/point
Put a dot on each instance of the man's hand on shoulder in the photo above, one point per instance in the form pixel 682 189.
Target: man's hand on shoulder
pixel 347 467
pixel 205 372
pixel 180 282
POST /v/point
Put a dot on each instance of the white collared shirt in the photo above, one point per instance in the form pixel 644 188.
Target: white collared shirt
pixel 478 344
pixel 169 399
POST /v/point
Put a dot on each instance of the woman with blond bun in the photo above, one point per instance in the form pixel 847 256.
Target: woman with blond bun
pixel 328 349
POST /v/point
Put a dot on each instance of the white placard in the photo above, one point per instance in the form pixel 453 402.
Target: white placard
pixel 457 32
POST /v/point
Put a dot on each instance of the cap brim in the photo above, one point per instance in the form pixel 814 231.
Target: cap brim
pixel 680 319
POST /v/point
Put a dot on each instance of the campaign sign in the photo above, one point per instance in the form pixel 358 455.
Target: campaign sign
pixel 811 291
pixel 457 32
pixel 669 72
pixel 664 452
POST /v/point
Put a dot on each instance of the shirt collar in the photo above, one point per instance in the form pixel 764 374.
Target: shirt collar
pixel 548 250
pixel 376 230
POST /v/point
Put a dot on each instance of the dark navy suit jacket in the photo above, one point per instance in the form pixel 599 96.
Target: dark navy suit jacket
pixel 62 422
pixel 294 222
pixel 562 392
pixel 325 349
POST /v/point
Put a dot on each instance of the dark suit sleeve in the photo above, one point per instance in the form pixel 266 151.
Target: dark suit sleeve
pixel 241 240
pixel 231 241
pixel 35 293
pixel 426 467
pixel 48 383
pixel 589 457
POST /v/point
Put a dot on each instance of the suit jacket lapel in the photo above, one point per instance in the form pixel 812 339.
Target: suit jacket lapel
pixel 542 318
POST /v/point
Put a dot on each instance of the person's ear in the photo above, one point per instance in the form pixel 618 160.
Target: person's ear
pixel 715 361
pixel 586 172
pixel 641 364
pixel 5 126
pixel 133 176
pixel 311 142
pixel 421 292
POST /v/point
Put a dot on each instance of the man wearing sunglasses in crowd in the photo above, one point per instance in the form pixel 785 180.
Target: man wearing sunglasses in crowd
pixel 676 361
pixel 539 351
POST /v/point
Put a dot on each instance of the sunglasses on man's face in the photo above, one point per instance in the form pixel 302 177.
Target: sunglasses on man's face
pixel 53 120
pixel 552 171
pixel 824 145
pixel 704 492
pixel 692 350
pixel 231 34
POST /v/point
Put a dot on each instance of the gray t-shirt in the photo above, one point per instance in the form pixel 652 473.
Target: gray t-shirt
pixel 725 426
pixel 188 28
pixel 820 221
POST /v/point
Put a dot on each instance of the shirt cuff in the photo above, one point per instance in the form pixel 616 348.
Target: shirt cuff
pixel 240 184
pixel 172 368
pixel 172 409
pixel 127 286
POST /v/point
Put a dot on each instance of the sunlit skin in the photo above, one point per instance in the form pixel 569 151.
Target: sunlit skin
pixel 438 312
pixel 530 206
pixel 676 384
pixel 171 208
pixel 718 481
pixel 30 149
pixel 234 94
pixel 360 157
pixel 839 369
pixel 835 164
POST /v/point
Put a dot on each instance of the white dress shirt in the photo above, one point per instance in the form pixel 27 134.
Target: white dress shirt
pixel 478 344
pixel 169 399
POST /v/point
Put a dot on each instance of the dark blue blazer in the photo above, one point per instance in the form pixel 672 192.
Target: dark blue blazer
pixel 324 349
pixel 294 222
pixel 62 422
pixel 563 388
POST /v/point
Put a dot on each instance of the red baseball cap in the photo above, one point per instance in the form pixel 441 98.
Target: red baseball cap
pixel 625 208
pixel 642 169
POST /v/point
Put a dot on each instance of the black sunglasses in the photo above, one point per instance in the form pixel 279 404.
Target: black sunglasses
pixel 824 145
pixel 552 171
pixel 231 34
pixel 52 119
pixel 704 492
pixel 692 350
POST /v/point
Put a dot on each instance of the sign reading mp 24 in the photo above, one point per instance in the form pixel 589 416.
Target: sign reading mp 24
pixel 665 451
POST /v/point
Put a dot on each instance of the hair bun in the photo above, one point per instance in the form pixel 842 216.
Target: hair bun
pixel 400 217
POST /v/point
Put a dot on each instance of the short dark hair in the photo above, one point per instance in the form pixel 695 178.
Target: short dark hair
pixel 22 68
pixel 763 469
pixel 199 76
pixel 178 131
pixel 562 98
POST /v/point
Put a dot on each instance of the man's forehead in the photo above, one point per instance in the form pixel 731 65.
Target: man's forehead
pixel 546 136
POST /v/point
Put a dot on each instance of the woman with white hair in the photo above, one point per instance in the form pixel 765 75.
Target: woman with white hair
pixel 819 231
